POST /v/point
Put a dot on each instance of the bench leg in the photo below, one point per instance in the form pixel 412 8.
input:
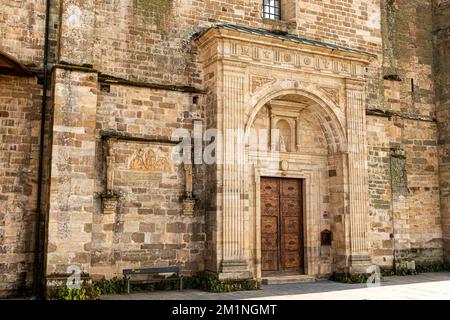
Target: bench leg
pixel 128 285
pixel 181 283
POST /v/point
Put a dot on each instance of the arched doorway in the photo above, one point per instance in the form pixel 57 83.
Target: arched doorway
pixel 295 148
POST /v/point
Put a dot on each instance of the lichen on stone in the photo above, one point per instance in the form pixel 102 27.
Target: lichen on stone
pixel 158 10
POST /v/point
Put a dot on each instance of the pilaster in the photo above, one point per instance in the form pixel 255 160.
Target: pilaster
pixel 71 199
pixel 358 179
pixel 234 264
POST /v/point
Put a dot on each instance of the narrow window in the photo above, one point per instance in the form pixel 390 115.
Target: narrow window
pixel 272 9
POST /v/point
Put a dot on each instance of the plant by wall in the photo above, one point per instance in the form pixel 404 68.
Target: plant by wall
pixel 112 286
pixel 86 292
pixel 208 282
pixel 349 278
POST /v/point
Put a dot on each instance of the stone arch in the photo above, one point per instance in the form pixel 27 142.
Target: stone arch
pixel 323 108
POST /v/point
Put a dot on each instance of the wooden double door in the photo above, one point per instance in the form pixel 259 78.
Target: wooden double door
pixel 282 225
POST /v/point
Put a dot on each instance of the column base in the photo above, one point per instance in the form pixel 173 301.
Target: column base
pixel 360 264
pixel 234 270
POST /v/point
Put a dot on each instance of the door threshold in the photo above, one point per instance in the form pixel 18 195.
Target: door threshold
pixel 284 279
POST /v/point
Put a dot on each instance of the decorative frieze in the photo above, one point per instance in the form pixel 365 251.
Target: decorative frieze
pixel 294 58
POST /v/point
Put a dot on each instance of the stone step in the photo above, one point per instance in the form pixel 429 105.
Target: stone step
pixel 301 278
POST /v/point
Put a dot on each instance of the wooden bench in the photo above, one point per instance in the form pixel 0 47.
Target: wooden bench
pixel 168 271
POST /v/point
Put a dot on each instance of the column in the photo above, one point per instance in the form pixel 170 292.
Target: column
pixel 297 134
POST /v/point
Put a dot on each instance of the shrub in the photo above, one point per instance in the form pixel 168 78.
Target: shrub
pixel 87 291
pixel 65 293
pixel 208 282
pixel 349 278
pixel 112 286
pixel 432 267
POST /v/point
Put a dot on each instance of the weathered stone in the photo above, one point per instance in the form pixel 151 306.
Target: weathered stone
pixel 176 227
pixel 138 237
pixel 147 227
pixel 109 130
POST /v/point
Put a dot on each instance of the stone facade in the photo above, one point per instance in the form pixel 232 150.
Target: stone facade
pixel 351 97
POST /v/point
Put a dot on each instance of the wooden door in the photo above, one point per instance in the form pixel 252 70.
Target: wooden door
pixel 281 225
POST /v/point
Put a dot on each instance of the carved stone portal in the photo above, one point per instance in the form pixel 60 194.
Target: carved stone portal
pixel 330 83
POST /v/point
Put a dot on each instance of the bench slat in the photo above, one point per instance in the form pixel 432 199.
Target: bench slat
pixel 150 270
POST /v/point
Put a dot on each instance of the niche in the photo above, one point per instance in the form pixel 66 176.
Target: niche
pixel 282 136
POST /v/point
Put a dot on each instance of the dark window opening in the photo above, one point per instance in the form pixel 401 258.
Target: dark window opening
pixel 272 9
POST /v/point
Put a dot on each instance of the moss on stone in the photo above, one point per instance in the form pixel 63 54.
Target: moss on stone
pixel 159 10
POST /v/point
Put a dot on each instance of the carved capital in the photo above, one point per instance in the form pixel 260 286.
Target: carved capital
pixel 109 204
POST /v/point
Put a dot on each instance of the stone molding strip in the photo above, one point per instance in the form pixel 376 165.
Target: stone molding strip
pixel 104 78
pixel 106 135
pixel 108 79
pixel 404 115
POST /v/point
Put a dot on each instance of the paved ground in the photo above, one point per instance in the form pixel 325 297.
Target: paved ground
pixel 426 286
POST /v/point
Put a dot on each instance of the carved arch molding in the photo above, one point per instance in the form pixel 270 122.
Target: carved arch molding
pixel 246 68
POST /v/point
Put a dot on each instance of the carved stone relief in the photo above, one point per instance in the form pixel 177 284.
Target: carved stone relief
pixel 258 82
pixel 332 93
pixel 150 159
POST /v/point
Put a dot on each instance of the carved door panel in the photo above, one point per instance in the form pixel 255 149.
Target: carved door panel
pixel 281 225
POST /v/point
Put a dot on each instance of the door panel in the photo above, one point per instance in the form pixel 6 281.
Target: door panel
pixel 291 242
pixel 269 243
pixel 270 206
pixel 281 225
pixel 291 261
pixel 269 225
pixel 269 260
pixel 290 206
pixel 270 187
pixel 289 188
pixel 291 225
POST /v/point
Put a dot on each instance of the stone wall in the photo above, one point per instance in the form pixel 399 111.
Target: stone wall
pixel 150 42
pixel 403 163
pixel 22 25
pixel 149 227
pixel 20 100
pixel 442 76
pixel 404 192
